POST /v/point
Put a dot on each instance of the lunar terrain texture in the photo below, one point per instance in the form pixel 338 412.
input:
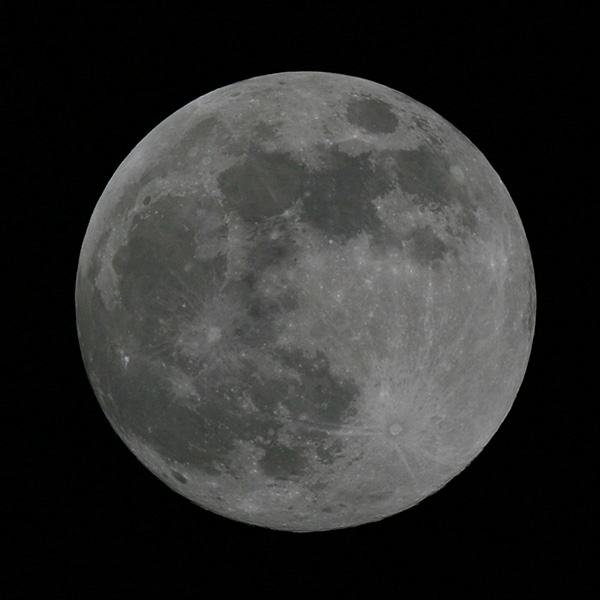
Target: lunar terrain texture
pixel 305 301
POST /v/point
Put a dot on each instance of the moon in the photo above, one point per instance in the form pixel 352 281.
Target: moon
pixel 305 301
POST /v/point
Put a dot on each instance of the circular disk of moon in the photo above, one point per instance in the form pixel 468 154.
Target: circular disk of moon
pixel 305 301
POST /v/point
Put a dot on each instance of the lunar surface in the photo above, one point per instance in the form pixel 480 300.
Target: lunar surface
pixel 305 301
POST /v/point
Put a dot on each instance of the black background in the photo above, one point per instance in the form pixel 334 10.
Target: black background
pixel 83 87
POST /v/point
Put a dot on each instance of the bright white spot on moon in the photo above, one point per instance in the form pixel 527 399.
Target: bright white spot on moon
pixel 395 428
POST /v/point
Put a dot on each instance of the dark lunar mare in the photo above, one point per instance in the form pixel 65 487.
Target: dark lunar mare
pixel 202 430
pixel 338 199
pixel 372 115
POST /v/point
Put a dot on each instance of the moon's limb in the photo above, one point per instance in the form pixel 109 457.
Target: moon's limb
pixel 305 301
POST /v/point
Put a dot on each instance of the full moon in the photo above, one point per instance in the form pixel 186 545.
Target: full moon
pixel 305 301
